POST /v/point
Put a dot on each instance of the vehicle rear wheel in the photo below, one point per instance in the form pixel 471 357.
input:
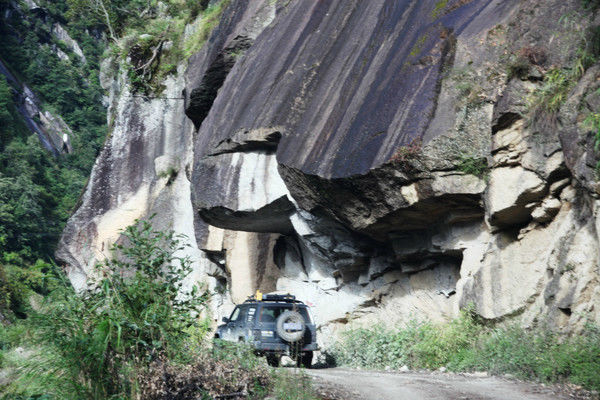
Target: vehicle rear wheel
pixel 273 360
pixel 305 359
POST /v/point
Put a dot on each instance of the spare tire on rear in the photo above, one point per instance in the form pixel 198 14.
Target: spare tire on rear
pixel 291 326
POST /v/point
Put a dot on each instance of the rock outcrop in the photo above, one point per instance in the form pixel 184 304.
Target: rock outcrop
pixel 384 161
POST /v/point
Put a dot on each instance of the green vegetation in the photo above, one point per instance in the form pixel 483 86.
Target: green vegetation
pixel 133 333
pixel 439 9
pixel 466 83
pixel 592 121
pixel 418 46
pixel 210 19
pixel 38 191
pixel 466 344
pixel 170 174
pixel 474 166
pixel 293 386
pixel 151 44
pixel 132 314
pixel 591 4
pixel 558 82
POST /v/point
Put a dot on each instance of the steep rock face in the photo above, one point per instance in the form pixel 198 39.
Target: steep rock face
pixel 383 161
pixel 378 123
pixel 144 169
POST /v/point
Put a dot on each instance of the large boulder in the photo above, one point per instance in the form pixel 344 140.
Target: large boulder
pixel 381 160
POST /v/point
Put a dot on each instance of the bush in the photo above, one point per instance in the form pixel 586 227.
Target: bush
pixel 474 166
pixel 135 313
pixel 558 83
pixel 465 344
pixel 418 344
pixel 232 369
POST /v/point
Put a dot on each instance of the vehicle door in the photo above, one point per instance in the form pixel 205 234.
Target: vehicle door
pixel 239 327
pixel 228 332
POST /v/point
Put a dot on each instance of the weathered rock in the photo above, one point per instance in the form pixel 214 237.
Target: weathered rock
pixel 377 159
pixel 547 210
pixel 511 189
pixel 63 35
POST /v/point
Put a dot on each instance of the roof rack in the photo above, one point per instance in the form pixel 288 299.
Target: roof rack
pixel 282 298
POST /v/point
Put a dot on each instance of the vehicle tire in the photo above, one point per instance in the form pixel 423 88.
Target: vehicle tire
pixel 273 360
pixel 288 317
pixel 305 359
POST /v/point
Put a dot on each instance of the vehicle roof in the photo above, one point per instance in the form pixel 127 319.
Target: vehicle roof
pixel 273 299
pixel 273 303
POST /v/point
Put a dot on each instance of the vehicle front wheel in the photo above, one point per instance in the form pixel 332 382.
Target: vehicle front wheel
pixel 273 360
pixel 305 359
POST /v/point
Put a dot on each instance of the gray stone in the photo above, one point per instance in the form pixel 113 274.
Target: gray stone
pixel 511 189
pixel 547 210
pixel 377 179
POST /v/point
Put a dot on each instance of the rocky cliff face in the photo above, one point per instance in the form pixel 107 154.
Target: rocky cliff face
pixel 381 160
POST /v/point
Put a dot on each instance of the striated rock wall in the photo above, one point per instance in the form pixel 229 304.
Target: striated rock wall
pixel 384 161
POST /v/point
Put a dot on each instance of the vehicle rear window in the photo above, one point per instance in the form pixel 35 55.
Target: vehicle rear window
pixel 270 313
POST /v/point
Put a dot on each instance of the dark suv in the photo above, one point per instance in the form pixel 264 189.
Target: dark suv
pixel 275 325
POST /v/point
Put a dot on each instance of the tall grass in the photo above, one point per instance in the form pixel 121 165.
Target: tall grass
pixel 465 344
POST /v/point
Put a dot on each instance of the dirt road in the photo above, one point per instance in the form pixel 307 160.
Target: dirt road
pixel 370 385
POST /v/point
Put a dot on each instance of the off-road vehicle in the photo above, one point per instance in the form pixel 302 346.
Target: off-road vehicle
pixel 274 325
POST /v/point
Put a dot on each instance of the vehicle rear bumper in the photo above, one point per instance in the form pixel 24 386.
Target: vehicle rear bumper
pixel 282 347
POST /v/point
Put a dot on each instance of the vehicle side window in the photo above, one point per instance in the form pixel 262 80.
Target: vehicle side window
pixel 235 314
pixel 251 313
pixel 268 314
pixel 304 312
pixel 243 314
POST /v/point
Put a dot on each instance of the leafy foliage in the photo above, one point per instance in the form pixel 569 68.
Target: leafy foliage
pixel 37 191
pixel 559 81
pixel 474 166
pixel 136 332
pixel 102 340
pixel 465 344
pixel 591 4
pixel 155 47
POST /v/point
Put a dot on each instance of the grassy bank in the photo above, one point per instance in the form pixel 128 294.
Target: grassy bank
pixel 466 344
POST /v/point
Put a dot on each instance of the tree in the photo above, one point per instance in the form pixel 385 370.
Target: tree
pixel 6 105
pixel 112 14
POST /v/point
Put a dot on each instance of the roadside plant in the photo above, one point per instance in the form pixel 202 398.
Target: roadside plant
pixel 102 340
pixel 468 344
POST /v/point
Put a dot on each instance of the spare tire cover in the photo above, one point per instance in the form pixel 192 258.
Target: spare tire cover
pixel 291 326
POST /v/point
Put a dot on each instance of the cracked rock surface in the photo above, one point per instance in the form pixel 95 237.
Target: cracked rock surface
pixel 377 159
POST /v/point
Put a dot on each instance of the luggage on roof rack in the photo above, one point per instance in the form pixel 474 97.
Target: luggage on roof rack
pixel 286 298
pixel 279 297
